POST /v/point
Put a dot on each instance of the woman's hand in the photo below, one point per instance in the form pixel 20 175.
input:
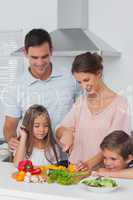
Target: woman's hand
pixel 82 166
pixel 91 163
pixel 67 139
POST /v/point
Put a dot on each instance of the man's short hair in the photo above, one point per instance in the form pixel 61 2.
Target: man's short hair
pixel 37 37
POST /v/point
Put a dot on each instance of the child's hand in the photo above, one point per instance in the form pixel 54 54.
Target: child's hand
pixel 82 166
pixel 22 133
pixel 101 172
pixel 67 138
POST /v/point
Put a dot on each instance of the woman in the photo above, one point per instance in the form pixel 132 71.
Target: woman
pixel 95 114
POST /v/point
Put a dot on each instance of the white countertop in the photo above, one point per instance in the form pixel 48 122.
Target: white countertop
pixel 12 190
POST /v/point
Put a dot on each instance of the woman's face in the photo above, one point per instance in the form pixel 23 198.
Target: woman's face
pixel 88 81
pixel 40 127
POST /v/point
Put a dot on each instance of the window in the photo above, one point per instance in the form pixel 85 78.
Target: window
pixel 10 66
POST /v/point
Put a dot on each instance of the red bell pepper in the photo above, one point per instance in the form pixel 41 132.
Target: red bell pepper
pixel 35 171
pixel 25 165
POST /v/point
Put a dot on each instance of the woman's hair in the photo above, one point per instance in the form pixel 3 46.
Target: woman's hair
pixel 28 122
pixel 87 63
pixel 120 142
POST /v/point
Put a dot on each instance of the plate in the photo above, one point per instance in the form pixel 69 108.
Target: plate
pixel 98 189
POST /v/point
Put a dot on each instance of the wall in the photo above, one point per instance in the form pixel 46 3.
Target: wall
pixel 112 21
pixel 27 14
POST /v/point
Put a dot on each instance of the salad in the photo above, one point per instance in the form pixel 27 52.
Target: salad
pixel 100 182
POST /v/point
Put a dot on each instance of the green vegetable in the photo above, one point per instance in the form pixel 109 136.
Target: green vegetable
pixel 64 177
pixel 100 182
pixel 60 176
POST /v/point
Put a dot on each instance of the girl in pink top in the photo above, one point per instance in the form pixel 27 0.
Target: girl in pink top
pixel 95 114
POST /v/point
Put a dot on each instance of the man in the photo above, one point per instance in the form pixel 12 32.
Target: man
pixel 41 84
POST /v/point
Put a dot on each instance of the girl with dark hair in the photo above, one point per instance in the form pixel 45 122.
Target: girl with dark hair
pixel 36 138
pixel 95 114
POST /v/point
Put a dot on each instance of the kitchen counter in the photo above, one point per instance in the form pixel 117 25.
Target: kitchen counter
pixel 12 190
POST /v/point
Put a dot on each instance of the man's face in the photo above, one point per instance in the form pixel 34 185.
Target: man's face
pixel 39 59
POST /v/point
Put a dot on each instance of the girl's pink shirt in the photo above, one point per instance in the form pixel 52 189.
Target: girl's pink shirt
pixel 90 129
